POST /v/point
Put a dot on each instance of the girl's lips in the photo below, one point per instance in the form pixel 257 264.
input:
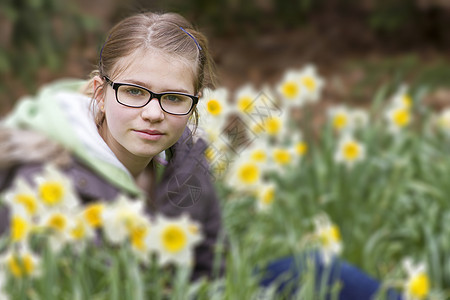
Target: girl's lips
pixel 152 135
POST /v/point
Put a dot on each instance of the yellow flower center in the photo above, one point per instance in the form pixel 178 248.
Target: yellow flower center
pixel 193 229
pixel 174 238
pixel 137 236
pixel 282 156
pixel 290 89
pixel 407 101
pixel 340 120
pixel 330 235
pixel 214 107
pixel 51 192
pixel 245 104
pixel 57 222
pixel 419 286
pixel 79 231
pixel 402 117
pixel 351 150
pixel 248 173
pixel 93 214
pixel 310 83
pixel 273 125
pixel 21 266
pixel 19 228
pixel 268 196
pixel 301 148
pixel 258 155
pixel 28 201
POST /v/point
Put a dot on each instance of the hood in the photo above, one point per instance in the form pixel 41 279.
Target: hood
pixel 63 114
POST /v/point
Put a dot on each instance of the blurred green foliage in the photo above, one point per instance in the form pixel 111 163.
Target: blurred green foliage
pixel 38 34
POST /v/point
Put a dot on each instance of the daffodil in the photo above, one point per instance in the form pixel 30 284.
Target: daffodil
pixel 245 100
pixel 443 121
pixel 402 97
pixel 80 231
pixel 349 151
pixel 57 223
pixel 417 285
pixel 21 225
pixel 398 117
pixel 283 158
pixel 291 89
pixel 276 126
pixel 175 239
pixel 213 107
pixel 23 195
pixel 265 196
pixel 311 83
pixel 21 262
pixel 329 237
pixel 245 174
pixel 92 213
pixel 340 118
pixel 119 218
pixel 55 190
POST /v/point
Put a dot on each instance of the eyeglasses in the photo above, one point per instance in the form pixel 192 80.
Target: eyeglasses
pixel 136 96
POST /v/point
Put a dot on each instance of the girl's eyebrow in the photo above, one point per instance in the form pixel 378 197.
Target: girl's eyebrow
pixel 146 85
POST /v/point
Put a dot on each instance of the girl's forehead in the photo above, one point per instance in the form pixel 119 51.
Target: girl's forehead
pixel 156 67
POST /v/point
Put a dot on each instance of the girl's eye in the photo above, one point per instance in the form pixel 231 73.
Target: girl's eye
pixel 173 98
pixel 134 91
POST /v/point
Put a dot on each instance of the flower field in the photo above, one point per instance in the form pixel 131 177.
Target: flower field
pixel 370 185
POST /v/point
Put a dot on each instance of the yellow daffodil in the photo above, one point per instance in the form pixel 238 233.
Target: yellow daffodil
pixel 175 239
pixel 417 285
pixel 311 83
pixel 329 237
pixel 21 263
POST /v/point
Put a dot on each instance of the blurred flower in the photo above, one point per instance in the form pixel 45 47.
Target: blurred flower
pixel 291 88
pixel 175 239
pixel 276 126
pixel 402 98
pixel 329 237
pixel 80 231
pixel 311 82
pixel 119 218
pixel 340 117
pixel 21 262
pixel 360 118
pixel 398 117
pixel 349 151
pixel 245 174
pixel 58 224
pixel 23 195
pixel 245 100
pixel 92 213
pixel 417 285
pixel 443 120
pixel 265 195
pixel 141 231
pixel 282 158
pixel 20 225
pixel 55 190
pixel 213 108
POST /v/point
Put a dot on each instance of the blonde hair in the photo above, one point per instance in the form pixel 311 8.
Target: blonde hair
pixel 170 33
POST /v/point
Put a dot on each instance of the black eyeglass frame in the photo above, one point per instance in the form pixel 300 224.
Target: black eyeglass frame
pixel 116 85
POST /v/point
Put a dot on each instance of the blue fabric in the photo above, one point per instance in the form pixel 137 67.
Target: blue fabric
pixel 354 284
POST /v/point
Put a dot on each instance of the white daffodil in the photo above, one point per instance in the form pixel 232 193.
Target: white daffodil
pixel 119 217
pixel 311 83
pixel 92 214
pixel 245 174
pixel 443 121
pixel 340 117
pixel 245 100
pixel 80 231
pixel 213 107
pixel 57 223
pixel 55 190
pixel 417 285
pixel 283 158
pixel 398 117
pixel 349 151
pixel 402 98
pixel 175 239
pixel 329 238
pixel 23 195
pixel 265 196
pixel 359 118
pixel 21 224
pixel 291 89
pixel 21 262
pixel 141 230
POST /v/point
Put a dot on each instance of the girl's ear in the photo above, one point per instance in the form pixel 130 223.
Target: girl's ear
pixel 99 93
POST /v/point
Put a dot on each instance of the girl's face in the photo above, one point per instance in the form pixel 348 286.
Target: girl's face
pixel 136 135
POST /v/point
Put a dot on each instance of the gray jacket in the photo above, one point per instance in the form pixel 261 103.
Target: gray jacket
pixel 184 186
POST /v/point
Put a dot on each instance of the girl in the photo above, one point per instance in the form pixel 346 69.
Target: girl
pixel 125 130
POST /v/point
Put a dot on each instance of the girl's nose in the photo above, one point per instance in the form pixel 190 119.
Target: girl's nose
pixel 152 111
